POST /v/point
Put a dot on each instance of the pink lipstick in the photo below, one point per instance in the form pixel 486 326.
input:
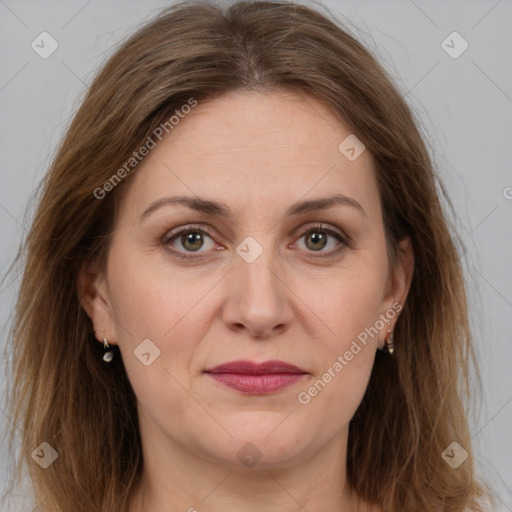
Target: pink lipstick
pixel 256 378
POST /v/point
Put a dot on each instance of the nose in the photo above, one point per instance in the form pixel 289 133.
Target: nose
pixel 257 298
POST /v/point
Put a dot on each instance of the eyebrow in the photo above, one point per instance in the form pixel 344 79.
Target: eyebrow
pixel 222 210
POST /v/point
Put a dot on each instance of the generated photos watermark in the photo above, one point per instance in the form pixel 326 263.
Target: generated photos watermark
pixel 138 156
pixel 304 397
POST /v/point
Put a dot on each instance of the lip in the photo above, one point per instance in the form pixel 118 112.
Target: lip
pixel 251 368
pixel 257 378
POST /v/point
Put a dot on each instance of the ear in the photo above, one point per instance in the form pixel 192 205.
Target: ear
pixel 94 298
pixel 399 280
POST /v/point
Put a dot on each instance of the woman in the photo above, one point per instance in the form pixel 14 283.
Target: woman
pixel 305 351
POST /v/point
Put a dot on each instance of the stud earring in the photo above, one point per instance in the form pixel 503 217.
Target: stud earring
pixel 108 354
pixel 390 347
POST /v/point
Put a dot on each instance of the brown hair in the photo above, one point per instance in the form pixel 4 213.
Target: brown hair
pixel 414 406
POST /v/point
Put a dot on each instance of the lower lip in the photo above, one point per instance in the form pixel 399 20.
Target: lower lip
pixel 257 384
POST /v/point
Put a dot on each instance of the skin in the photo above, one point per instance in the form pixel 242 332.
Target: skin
pixel 257 153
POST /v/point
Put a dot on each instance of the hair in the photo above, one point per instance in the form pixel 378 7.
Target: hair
pixel 60 392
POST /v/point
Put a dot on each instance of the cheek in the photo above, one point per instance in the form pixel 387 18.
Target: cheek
pixel 149 298
pixel 166 307
pixel 345 355
pixel 351 305
pixel 148 307
pixel 350 310
pixel 335 395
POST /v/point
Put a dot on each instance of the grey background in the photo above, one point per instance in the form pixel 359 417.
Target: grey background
pixel 464 106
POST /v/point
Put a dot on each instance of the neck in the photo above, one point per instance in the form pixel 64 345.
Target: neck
pixel 192 483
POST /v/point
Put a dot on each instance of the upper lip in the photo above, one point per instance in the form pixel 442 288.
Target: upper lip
pixel 252 368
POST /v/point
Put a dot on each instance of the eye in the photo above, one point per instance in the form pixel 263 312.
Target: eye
pixel 192 240
pixel 317 238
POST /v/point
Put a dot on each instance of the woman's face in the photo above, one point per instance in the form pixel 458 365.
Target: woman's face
pixel 249 283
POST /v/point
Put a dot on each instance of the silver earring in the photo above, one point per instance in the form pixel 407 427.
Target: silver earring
pixel 108 355
pixel 390 346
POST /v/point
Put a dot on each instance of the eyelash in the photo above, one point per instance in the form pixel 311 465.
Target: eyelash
pixel 312 229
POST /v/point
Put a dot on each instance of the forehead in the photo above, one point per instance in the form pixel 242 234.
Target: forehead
pixel 258 150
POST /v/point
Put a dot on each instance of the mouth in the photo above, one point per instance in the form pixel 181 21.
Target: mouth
pixel 257 378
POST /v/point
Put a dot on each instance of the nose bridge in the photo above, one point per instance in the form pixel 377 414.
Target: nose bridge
pixel 257 298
